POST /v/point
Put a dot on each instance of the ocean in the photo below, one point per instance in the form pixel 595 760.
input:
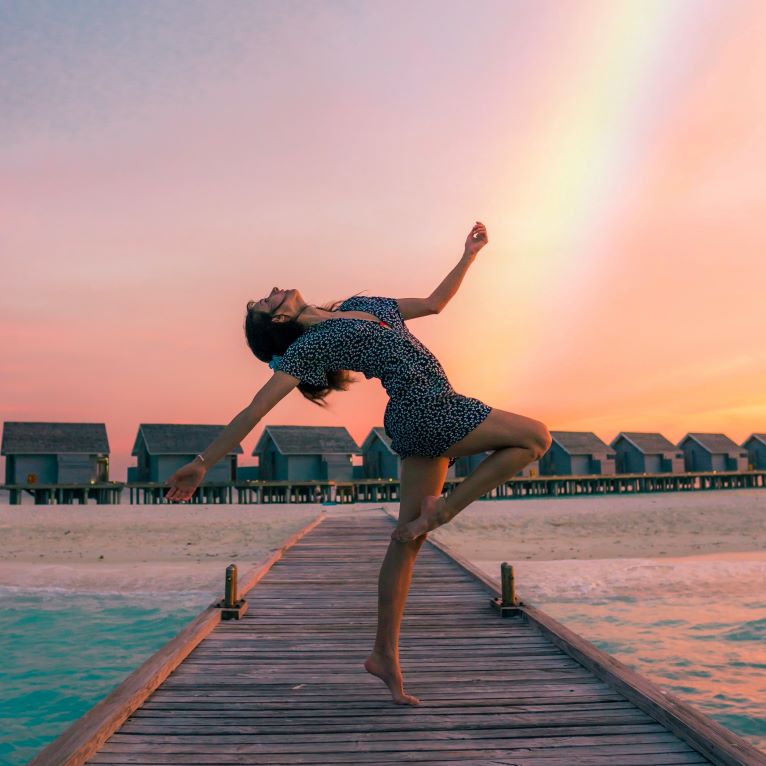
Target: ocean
pixel 694 625
pixel 62 652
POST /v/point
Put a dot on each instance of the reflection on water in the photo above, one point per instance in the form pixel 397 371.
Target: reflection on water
pixel 696 626
pixel 710 654
pixel 62 652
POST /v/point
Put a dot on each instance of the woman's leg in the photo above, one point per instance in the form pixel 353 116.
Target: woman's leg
pixel 421 477
pixel 517 441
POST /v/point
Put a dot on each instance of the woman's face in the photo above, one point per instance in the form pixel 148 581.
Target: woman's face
pixel 279 303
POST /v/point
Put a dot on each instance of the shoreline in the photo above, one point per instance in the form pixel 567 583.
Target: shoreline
pixel 140 549
pixel 160 548
pixel 210 587
pixel 611 527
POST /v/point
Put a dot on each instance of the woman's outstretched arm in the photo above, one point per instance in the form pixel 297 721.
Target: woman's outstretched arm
pixel 187 478
pixel 418 307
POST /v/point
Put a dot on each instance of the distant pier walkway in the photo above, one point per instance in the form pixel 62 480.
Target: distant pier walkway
pixel 285 683
pixel 383 490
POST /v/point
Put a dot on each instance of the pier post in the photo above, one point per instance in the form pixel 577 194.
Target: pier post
pixel 230 606
pixel 507 604
pixel 230 586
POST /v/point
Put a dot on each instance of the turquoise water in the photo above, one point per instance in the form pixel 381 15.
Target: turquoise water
pixel 694 625
pixel 712 656
pixel 62 652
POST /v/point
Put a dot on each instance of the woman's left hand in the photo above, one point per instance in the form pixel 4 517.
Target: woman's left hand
pixel 477 238
pixel 184 481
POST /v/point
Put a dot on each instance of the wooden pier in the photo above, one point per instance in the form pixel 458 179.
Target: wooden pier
pixel 387 490
pixel 285 683
pixel 104 493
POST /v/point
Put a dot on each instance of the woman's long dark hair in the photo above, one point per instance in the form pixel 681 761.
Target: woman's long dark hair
pixel 267 339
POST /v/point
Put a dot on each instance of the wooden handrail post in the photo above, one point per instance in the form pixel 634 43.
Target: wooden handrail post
pixel 507 604
pixel 507 583
pixel 230 586
pixel 230 606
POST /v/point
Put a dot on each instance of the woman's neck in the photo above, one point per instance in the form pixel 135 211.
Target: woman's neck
pixel 310 315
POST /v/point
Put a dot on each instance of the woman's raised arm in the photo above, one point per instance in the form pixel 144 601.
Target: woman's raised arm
pixel 418 307
pixel 188 477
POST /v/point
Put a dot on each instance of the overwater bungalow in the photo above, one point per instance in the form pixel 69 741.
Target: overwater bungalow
pixel 379 461
pixel 161 448
pixel 640 452
pixel 712 452
pixel 467 464
pixel 755 445
pixel 248 473
pixel 577 453
pixel 55 453
pixel 306 453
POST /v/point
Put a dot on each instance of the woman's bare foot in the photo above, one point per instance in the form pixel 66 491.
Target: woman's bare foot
pixel 386 668
pixel 433 513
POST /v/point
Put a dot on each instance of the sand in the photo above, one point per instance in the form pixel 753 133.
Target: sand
pixel 145 548
pixel 699 545
pixel 608 527
pixel 176 547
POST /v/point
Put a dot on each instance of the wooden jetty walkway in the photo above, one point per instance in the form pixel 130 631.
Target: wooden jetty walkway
pixel 383 490
pixel 285 683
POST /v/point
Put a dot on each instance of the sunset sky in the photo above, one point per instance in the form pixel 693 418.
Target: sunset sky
pixel 163 163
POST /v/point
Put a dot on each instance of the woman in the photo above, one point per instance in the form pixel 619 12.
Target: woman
pixel 430 425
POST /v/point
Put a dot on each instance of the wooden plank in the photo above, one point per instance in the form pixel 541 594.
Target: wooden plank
pixel 356 698
pixel 556 756
pixel 254 711
pixel 244 724
pixel 424 678
pixel 646 755
pixel 232 664
pixel 361 703
pixel 372 745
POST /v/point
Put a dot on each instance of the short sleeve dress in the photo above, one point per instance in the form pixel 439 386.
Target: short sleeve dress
pixel 424 415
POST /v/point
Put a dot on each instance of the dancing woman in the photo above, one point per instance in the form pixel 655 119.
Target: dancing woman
pixel 429 423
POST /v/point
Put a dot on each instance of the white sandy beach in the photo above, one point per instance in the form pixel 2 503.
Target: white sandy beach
pixel 608 527
pixel 139 547
pixel 173 547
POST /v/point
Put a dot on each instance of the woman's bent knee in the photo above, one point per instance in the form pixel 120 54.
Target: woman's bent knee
pixel 523 431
